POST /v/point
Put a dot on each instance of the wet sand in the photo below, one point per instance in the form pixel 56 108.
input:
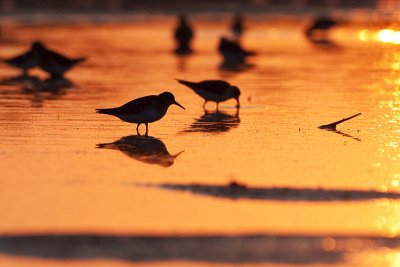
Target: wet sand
pixel 303 195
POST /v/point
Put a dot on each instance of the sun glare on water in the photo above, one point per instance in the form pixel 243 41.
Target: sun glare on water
pixel 384 36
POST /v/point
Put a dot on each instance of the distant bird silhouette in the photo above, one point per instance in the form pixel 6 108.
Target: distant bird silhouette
pixel 213 90
pixel 319 27
pixel 54 63
pixel 143 110
pixel 145 149
pixel 27 60
pixel 237 27
pixel 183 36
pixel 231 48
pixel 234 56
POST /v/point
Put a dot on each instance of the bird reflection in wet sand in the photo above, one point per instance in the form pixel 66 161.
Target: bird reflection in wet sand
pixel 49 89
pixel 146 149
pixel 332 127
pixel 214 122
pixel 183 36
pixel 23 79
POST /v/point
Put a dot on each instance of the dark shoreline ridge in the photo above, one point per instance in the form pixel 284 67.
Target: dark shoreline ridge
pixel 177 6
pixel 236 190
pixel 258 248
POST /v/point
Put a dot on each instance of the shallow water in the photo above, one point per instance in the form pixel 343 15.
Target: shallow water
pixel 67 170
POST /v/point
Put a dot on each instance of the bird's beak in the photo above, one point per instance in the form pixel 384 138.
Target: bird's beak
pixel 179 105
pixel 238 103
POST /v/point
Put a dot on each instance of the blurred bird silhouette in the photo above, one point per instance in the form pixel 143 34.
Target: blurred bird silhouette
pixel 183 36
pixel 21 79
pixel 48 89
pixel 143 110
pixel 145 149
pixel 237 27
pixel 234 56
pixel 214 90
pixel 318 29
pixel 231 48
pixel 214 122
pixel 27 60
pixel 54 63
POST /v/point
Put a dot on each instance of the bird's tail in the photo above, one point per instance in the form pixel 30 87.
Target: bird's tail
pixel 109 111
pixel 187 83
pixel 106 145
pixel 250 53
pixel 79 60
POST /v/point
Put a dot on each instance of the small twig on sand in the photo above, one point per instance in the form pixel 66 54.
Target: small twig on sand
pixel 332 126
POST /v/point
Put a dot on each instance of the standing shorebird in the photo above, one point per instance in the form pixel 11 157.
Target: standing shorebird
pixel 232 49
pixel 237 27
pixel 27 60
pixel 183 35
pixel 214 90
pixel 143 110
pixel 54 63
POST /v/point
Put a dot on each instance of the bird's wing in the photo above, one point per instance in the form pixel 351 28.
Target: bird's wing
pixel 60 59
pixel 139 105
pixel 20 58
pixel 213 86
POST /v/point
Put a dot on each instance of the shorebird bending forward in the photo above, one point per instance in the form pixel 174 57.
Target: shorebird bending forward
pixel 143 110
pixel 214 90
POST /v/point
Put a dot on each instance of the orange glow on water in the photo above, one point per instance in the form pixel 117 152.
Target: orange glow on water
pixel 388 36
pixel 66 184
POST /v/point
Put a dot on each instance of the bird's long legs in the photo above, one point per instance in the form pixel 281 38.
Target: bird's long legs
pixel 137 128
pixel 147 129
pixel 204 105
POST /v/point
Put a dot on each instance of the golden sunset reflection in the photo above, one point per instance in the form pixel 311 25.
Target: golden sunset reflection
pixel 332 195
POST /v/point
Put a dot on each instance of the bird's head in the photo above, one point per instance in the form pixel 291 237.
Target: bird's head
pixel 169 98
pixel 235 92
pixel 38 46
pixel 182 19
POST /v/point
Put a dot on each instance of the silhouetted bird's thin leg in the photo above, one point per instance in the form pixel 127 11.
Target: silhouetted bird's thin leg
pixel 147 129
pixel 217 105
pixel 204 105
pixel 137 128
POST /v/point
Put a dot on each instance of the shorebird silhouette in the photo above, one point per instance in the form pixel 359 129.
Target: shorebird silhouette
pixel 231 48
pixel 183 35
pixel 143 110
pixel 148 149
pixel 237 27
pixel 54 63
pixel 214 90
pixel 234 56
pixel 27 60
pixel 319 27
